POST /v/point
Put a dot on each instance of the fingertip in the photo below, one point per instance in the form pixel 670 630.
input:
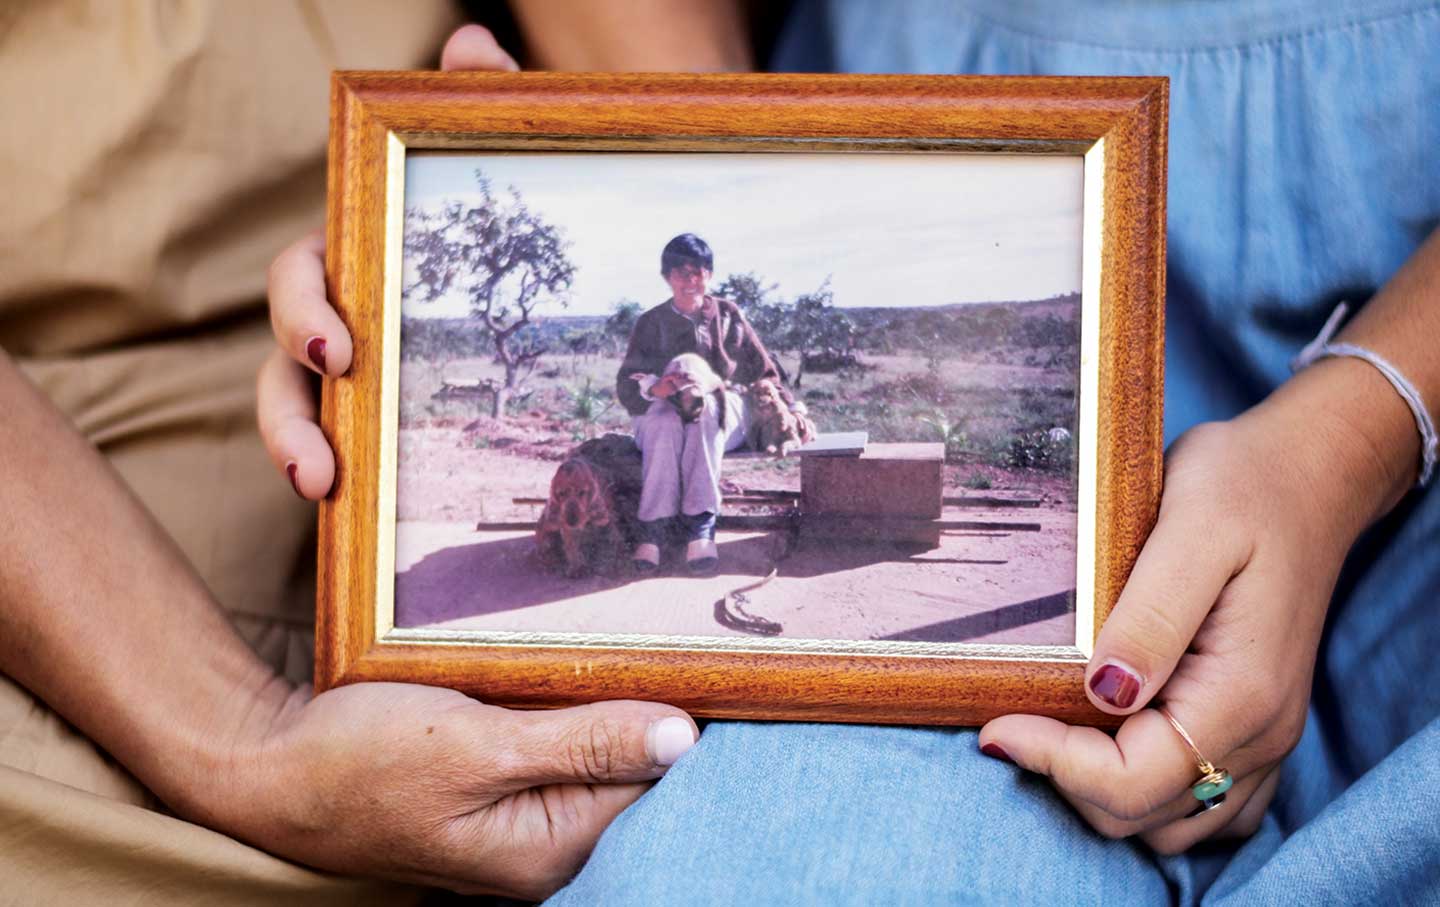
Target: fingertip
pixel 315 349
pixel 1115 687
pixel 669 738
pixel 307 459
pixel 995 751
pixel 473 48
pixel 1019 739
pixel 311 484
pixel 339 351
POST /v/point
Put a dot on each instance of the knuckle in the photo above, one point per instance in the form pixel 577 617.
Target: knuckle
pixel 1282 737
pixel 596 749
pixel 1290 728
pixel 510 761
pixel 1272 697
pixel 1266 694
pixel 1152 635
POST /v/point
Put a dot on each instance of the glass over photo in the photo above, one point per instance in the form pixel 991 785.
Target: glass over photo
pixel 791 396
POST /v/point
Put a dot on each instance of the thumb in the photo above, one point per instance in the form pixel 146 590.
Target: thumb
pixel 1175 582
pixel 603 742
pixel 474 48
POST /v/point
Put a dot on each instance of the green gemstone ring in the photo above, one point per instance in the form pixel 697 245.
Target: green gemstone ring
pixel 1213 783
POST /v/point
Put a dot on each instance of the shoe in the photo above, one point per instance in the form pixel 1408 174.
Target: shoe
pixel 702 558
pixel 646 558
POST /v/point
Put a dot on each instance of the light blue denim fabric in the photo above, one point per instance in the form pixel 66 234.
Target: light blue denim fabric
pixel 1304 168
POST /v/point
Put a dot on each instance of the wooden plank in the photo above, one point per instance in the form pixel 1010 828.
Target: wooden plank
pixel 836 444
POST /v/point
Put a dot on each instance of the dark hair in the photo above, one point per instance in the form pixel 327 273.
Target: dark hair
pixel 686 249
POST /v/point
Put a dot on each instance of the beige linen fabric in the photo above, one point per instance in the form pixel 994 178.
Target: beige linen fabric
pixel 155 157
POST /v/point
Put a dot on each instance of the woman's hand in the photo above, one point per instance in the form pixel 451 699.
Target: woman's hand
pixel 312 339
pixel 1221 618
pixel 425 785
pixel 665 387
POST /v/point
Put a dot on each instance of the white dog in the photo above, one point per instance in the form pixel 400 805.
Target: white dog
pixel 695 380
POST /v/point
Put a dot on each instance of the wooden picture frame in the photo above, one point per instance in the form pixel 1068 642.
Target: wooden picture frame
pixel 1118 125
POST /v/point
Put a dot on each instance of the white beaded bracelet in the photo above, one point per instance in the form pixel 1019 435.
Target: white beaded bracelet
pixel 1321 347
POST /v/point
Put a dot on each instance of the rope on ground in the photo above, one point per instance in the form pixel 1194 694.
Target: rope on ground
pixel 730 611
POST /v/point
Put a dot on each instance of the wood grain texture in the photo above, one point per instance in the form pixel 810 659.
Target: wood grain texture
pixel 934 114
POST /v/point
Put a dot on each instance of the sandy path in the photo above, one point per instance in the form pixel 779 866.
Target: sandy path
pixel 981 587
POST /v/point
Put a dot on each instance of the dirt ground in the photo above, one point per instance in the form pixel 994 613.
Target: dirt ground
pixel 978 586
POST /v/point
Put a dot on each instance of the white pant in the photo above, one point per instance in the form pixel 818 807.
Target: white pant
pixel 681 467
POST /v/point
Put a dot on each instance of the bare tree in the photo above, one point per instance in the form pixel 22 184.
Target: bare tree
pixel 504 258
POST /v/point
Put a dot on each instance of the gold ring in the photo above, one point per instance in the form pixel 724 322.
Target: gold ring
pixel 1213 782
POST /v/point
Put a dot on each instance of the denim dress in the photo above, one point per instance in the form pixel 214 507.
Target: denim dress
pixel 1304 169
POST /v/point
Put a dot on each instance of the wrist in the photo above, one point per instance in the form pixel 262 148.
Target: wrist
pixel 1350 435
pixel 220 772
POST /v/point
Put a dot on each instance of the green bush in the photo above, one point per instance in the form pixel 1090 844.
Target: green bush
pixel 1037 450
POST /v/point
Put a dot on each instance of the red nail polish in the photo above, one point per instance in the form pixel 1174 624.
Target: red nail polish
pixel 994 751
pixel 1115 685
pixel 293 472
pixel 315 349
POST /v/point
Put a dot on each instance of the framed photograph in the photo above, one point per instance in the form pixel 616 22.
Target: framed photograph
pixel 785 397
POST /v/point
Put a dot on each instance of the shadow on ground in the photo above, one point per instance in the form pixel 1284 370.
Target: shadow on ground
pixel 1007 617
pixel 495 576
pixel 500 575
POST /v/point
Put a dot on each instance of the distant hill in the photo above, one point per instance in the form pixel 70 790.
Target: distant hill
pixel 1063 306
pixel 965 326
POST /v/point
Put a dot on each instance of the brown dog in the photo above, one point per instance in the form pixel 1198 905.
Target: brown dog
pixel 774 429
pixel 579 528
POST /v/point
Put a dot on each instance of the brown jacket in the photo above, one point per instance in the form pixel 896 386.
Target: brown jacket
pixel 721 335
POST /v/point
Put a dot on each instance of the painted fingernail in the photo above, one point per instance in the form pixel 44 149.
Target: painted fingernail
pixel 315 349
pixel 668 739
pixel 293 471
pixel 994 751
pixel 1116 685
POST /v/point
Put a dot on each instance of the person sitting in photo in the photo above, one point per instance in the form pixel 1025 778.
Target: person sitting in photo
pixel 681 468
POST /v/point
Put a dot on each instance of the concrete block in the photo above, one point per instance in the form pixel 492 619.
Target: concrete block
pixel 896 480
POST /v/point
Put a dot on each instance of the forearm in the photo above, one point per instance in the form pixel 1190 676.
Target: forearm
pixel 636 35
pixel 101 617
pixel 1346 413
pixel 628 390
pixel 637 361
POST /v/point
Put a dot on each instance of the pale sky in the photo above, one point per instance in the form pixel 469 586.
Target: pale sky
pixel 888 229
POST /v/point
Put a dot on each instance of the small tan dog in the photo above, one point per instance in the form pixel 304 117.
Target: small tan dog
pixel 774 429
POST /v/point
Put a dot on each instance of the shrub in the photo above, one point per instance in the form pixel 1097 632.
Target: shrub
pixel 587 406
pixel 1038 450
